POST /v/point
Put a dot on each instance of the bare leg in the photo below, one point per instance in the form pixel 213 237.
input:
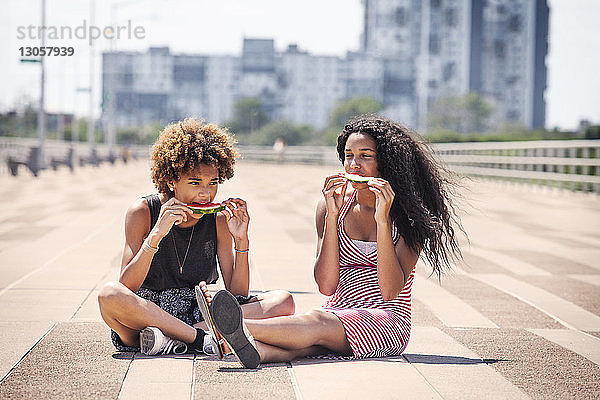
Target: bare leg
pixel 126 313
pixel 269 304
pixel 269 353
pixel 284 338
pixel 299 332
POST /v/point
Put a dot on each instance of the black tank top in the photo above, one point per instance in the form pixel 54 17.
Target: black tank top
pixel 201 262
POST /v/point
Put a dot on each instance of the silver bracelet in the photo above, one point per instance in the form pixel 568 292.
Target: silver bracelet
pixel 146 247
pixel 241 251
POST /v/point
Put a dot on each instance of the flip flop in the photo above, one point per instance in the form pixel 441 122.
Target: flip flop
pixel 217 340
pixel 227 318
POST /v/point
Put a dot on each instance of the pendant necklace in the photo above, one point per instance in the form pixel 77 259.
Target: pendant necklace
pixel 186 251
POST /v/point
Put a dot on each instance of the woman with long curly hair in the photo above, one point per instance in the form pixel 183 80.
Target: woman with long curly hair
pixel 390 206
pixel 169 249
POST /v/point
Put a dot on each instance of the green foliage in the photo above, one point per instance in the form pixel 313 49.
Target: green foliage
pixel 467 113
pixel 23 123
pixel 592 132
pixel 293 134
pixel 248 116
pixel 447 136
pixel 343 111
pixel 147 134
pixel 347 109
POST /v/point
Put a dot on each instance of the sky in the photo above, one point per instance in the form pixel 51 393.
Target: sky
pixel 218 27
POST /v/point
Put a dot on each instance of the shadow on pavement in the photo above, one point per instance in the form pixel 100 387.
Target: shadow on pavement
pixel 437 359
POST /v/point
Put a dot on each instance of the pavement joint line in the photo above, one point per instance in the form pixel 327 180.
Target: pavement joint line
pixel 423 376
pixel 468 316
pixel 56 256
pixel 125 377
pixel 27 353
pixel 90 292
pixel 524 300
pixel 295 386
pixel 193 377
pixel 507 262
pixel 569 346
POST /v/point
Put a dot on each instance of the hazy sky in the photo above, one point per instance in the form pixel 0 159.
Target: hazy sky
pixel 210 27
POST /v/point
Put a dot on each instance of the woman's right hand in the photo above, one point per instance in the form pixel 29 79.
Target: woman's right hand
pixel 173 212
pixel 334 199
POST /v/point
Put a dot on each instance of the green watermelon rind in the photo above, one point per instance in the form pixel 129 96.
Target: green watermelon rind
pixel 206 210
pixel 357 178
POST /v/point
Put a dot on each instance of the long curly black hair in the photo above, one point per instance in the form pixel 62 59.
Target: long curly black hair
pixel 423 209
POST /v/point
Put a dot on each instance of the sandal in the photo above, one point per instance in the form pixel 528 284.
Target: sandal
pixel 217 341
pixel 227 317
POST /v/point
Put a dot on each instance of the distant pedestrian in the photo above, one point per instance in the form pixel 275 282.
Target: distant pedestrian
pixel 279 148
pixel 391 206
pixel 169 249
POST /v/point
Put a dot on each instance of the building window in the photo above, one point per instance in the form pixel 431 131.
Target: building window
pixel 448 72
pixel 400 16
pixel 450 17
pixel 514 23
pixel 434 44
pixel 499 49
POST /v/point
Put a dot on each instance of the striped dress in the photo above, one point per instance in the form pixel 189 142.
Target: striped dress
pixel 374 327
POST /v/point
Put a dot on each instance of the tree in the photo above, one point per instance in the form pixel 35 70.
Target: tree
pixel 248 116
pixel 345 110
pixel 292 134
pixel 467 113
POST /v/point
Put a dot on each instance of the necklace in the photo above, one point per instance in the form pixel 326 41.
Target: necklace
pixel 186 250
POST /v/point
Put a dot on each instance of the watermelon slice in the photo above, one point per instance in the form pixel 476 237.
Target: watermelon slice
pixel 206 208
pixel 357 178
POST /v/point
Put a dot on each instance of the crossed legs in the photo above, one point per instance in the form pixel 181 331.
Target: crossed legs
pixel 127 314
pixel 285 338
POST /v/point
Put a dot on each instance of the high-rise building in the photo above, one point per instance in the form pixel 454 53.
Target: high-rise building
pixel 496 48
pixel 413 53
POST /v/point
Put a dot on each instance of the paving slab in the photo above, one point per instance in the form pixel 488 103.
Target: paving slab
pixel 225 379
pixel 443 362
pixel 512 264
pixel 385 378
pixel 541 368
pixel 18 337
pixel 73 361
pixel 565 312
pixel 593 279
pixel 579 342
pixel 450 309
pixel 501 308
pixel 160 377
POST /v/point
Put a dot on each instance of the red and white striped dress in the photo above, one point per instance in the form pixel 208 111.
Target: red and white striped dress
pixel 374 327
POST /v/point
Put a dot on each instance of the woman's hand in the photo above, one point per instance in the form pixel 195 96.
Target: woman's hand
pixel 173 212
pixel 238 218
pixel 334 199
pixel 384 197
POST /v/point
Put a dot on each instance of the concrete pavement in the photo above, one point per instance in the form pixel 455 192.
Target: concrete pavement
pixel 519 319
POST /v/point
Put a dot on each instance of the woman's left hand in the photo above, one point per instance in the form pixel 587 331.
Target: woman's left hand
pixel 384 197
pixel 238 218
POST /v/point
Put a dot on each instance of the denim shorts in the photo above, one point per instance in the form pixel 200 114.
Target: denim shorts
pixel 179 302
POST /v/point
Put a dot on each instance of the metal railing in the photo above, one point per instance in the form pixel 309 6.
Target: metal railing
pixel 19 148
pixel 569 164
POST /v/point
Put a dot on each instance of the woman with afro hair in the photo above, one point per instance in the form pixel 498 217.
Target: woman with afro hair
pixel 389 207
pixel 169 250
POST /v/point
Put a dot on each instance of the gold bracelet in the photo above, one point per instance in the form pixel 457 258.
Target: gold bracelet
pixel 146 247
